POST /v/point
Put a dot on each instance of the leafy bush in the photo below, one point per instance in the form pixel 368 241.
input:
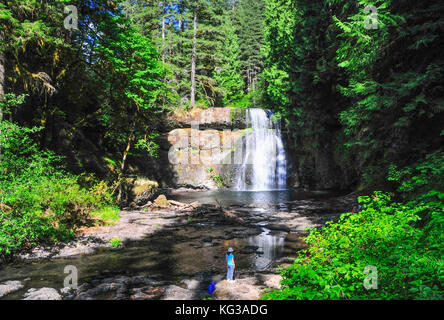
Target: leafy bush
pixel 217 178
pixel 115 242
pixel 385 234
pixel 40 200
pixel 253 99
pixel 425 176
pixel 108 215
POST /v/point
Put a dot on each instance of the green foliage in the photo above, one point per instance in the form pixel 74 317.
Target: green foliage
pixel 384 234
pixel 10 101
pixel 129 62
pixel 299 68
pixel 40 201
pixel 229 75
pixel 115 242
pixel 425 176
pixel 249 22
pixel 277 86
pixel 217 178
pixel 399 98
pixel 149 145
pixel 380 88
pixel 252 99
pixel 108 215
pixel 132 60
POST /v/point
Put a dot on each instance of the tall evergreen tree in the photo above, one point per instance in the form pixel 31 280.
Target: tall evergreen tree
pixel 228 75
pixel 250 27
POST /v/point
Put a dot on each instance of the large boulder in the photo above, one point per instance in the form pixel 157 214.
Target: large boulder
pixel 161 202
pixel 138 191
pixel 144 190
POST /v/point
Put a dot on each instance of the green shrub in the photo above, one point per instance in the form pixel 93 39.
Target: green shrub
pixel 115 242
pixel 217 178
pixel 108 215
pixel 417 181
pixel 385 234
pixel 251 100
pixel 41 201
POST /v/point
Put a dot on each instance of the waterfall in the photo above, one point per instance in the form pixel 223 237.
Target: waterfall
pixel 264 164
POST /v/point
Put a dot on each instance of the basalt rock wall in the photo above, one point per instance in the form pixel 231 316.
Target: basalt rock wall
pixel 202 148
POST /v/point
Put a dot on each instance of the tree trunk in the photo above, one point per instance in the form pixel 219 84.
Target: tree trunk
pixel 2 92
pixel 163 31
pixel 2 69
pixel 123 166
pixel 248 80
pixel 2 78
pixel 193 61
pixel 180 19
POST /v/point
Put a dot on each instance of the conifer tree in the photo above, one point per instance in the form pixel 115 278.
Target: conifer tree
pixel 250 28
pixel 228 75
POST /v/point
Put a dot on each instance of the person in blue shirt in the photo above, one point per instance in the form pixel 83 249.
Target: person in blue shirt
pixel 230 265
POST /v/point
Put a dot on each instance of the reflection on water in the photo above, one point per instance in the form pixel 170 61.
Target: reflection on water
pixel 270 246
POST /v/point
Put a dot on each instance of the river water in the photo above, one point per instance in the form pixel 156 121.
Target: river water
pixel 172 254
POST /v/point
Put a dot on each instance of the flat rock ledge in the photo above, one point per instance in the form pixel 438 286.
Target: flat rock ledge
pixel 135 225
pixel 247 287
pixel 132 226
pixel 42 294
pixel 250 288
pixel 10 287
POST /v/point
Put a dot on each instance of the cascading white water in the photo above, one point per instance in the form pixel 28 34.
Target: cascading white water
pixel 264 165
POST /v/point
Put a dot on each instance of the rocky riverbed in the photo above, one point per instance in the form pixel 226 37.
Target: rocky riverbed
pixel 173 252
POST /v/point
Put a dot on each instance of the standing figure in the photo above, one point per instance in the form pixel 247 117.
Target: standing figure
pixel 230 265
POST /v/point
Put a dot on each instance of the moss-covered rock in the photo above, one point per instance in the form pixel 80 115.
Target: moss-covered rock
pixel 144 191
pixel 143 185
pixel 140 190
pixel 161 202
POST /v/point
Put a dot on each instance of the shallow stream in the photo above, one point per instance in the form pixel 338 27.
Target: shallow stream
pixel 175 253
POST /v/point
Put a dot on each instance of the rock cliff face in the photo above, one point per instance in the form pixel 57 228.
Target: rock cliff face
pixel 214 118
pixel 316 163
pixel 204 148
